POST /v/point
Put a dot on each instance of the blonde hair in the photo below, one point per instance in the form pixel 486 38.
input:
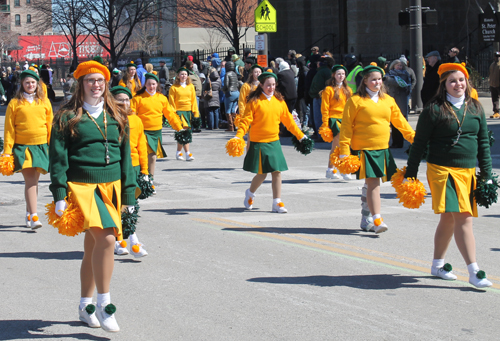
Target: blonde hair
pixel 362 87
pixel 149 67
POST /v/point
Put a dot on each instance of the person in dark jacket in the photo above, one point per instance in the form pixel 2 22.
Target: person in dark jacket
pixel 304 106
pixel 212 103
pixel 163 74
pixel 453 55
pixel 232 93
pixel 431 79
pixel 313 68
pixel 230 53
pixel 318 84
pixel 286 85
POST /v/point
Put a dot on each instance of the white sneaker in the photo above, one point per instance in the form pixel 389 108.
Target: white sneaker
pixel 27 221
pixel 346 176
pixel 180 157
pixel 332 174
pixel 138 251
pixel 87 315
pixel 106 317
pixel 190 157
pixel 279 208
pixel 479 280
pixel 367 224
pixel 121 248
pixel 248 202
pixel 380 226
pixel 444 272
pixel 35 223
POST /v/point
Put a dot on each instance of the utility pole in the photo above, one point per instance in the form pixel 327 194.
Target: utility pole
pixel 416 51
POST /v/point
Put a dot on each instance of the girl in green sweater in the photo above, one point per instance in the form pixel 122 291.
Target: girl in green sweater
pixel 453 126
pixel 91 165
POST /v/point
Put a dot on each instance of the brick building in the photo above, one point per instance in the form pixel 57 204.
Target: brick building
pixel 19 16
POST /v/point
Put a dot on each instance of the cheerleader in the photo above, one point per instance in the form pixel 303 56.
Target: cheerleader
pixel 182 98
pixel 251 84
pixel 264 111
pixel 454 127
pixel 91 165
pixel 150 104
pixel 139 154
pixel 333 100
pixel 130 79
pixel 28 124
pixel 365 132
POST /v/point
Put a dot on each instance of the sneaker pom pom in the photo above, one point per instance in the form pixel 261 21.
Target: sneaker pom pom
pixel 71 222
pixel 326 134
pixel 183 137
pixel 129 220
pixel 235 147
pixel 447 267
pixel 123 243
pixel 7 165
pixel 110 309
pixel 136 248
pixel 481 274
pixel 486 192
pixel 146 186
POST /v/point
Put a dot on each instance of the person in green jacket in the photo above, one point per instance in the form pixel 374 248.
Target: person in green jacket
pixel 453 128
pixel 318 84
pixel 90 165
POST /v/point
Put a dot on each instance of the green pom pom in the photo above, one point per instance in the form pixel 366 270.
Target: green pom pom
pixel 486 192
pixel 129 220
pixel 481 274
pixel 165 123
pixel 184 137
pixel 447 267
pixel 196 123
pixel 305 146
pixel 146 186
pixel 492 139
pixel 90 309
pixel 110 309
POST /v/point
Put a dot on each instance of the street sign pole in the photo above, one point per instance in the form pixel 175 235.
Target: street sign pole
pixel 265 21
pixel 416 51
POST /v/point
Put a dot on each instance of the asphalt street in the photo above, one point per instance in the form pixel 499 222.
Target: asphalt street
pixel 216 271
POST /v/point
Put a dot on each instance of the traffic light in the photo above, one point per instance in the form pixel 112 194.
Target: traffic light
pixel 429 17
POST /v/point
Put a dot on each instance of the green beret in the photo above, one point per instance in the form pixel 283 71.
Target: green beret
pixel 121 90
pixel 372 68
pixel 256 66
pixel 131 64
pixel 337 67
pixel 183 69
pixel 265 75
pixel 152 76
pixel 29 73
pixel 98 59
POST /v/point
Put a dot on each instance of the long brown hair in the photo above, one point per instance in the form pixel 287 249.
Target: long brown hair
pixel 143 89
pixel 69 115
pixel 126 80
pixel 40 95
pixel 336 90
pixel 178 81
pixel 254 95
pixel 362 87
pixel 445 113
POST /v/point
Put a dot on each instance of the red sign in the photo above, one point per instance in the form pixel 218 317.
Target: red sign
pixel 56 46
pixel 262 60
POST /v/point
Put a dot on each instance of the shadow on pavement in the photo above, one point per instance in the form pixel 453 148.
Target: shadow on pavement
pixel 197 169
pixel 370 282
pixel 68 255
pixel 492 215
pixel 31 329
pixel 382 195
pixel 303 230
pixel 495 249
pixel 181 211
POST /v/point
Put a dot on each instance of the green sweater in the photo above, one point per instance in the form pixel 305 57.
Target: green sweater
pixel 82 159
pixel 473 143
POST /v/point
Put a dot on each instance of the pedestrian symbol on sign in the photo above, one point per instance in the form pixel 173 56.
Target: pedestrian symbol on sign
pixel 265 17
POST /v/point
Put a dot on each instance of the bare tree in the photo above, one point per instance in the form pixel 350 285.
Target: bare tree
pixel 232 18
pixel 146 37
pixel 213 39
pixel 67 17
pixel 112 22
pixel 7 37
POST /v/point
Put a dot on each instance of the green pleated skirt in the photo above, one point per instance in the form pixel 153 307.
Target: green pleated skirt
pixel 185 117
pixel 335 124
pixel 265 157
pixel 31 156
pixel 376 164
pixel 154 140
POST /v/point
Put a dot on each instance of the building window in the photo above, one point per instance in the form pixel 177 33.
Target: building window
pixel 28 18
pixel 17 3
pixel 18 20
pixel 28 2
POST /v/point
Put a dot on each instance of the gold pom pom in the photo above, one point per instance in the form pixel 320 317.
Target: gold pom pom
pixel 335 157
pixel 326 133
pixel 412 193
pixel 237 121
pixel 349 164
pixel 7 165
pixel 397 178
pixel 71 222
pixel 235 147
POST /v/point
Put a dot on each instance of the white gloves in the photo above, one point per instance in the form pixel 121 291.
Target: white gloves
pixel 180 131
pixel 489 182
pixel 303 138
pixel 146 177
pixel 61 206
pixel 236 137
pixel 405 180
pixel 128 208
pixel 6 155
pixel 342 156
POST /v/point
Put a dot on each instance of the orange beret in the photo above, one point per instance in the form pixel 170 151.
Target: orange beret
pixel 452 67
pixel 91 67
pixel 373 63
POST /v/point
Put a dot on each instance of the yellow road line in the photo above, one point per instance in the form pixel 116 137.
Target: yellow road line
pixel 234 224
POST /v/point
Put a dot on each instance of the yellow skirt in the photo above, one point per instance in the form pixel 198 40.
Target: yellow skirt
pixel 452 189
pixel 100 204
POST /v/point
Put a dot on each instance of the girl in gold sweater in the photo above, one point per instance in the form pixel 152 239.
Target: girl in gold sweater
pixel 265 110
pixel 182 98
pixel 365 132
pixel 130 79
pixel 28 124
pixel 251 84
pixel 333 100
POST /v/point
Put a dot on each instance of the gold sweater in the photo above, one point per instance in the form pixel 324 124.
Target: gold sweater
pixel 150 109
pixel 183 99
pixel 138 144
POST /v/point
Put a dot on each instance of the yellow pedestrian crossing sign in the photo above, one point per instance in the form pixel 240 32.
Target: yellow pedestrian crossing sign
pixel 265 17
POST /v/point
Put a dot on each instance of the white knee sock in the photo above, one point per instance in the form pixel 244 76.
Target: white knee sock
pixel 437 263
pixel 84 301
pixel 276 201
pixel 103 299
pixel 133 239
pixel 473 268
